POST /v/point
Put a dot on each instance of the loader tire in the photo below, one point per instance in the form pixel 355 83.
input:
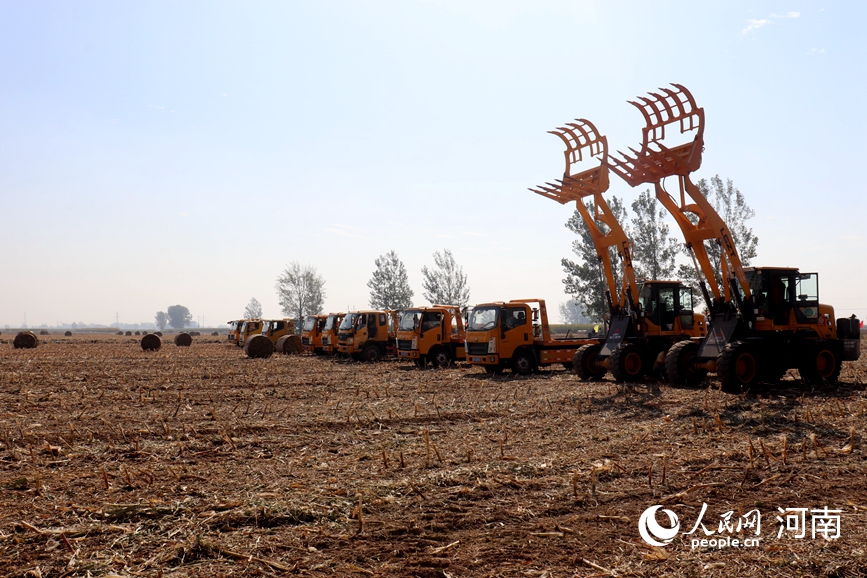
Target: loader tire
pixel 821 364
pixel 738 367
pixel 679 367
pixel 627 363
pixel 585 362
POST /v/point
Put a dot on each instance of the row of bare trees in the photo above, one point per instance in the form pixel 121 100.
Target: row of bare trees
pixel 301 289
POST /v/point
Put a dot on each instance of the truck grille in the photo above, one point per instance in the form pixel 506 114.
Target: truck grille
pixel 343 336
pixel 404 344
pixel 305 341
pixel 477 348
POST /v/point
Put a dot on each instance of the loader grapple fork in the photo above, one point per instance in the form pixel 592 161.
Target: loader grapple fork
pixel 696 217
pixel 582 139
pixel 655 161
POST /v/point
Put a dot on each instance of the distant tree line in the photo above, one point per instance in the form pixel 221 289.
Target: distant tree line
pixel 301 289
pixel 176 316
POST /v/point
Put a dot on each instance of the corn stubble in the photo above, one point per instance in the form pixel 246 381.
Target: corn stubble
pixel 200 461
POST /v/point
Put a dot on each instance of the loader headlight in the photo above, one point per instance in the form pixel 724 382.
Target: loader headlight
pixel 492 345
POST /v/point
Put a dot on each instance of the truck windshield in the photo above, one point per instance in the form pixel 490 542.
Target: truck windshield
pixel 329 322
pixel 265 325
pixel 409 320
pixel 483 318
pixel 309 323
pixel 347 322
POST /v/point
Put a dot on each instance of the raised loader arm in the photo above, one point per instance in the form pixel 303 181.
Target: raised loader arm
pixel 581 137
pixel 696 217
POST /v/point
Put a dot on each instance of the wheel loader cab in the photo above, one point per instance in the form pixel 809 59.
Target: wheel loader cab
pixel 786 297
pixel 667 305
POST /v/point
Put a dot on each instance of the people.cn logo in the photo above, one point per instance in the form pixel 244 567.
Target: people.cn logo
pixel 654 534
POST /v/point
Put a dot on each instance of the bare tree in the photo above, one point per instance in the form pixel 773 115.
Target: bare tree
pixel 572 313
pixel 253 310
pixel 732 206
pixel 654 250
pixel 389 288
pixel 301 291
pixel 446 284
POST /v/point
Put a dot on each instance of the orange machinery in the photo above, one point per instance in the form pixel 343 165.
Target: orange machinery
pixel 367 335
pixel 432 335
pixel 329 332
pixel 644 320
pixel 764 320
pixel 516 335
pixel 312 332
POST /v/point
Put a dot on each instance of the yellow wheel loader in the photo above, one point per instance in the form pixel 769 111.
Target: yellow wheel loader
pixel 764 320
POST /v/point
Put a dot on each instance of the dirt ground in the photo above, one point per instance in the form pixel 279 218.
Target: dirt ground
pixel 200 462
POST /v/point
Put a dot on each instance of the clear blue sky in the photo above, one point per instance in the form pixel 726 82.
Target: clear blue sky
pixel 156 153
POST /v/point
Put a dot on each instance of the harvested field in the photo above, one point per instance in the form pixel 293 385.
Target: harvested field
pixel 202 462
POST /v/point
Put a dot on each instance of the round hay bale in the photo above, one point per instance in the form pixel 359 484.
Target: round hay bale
pixel 183 340
pixel 25 340
pixel 289 345
pixel 158 333
pixel 144 332
pixel 119 333
pixel 138 332
pixel 215 334
pixel 258 346
pixel 128 333
pixel 68 334
pixel 151 342
pixel 43 332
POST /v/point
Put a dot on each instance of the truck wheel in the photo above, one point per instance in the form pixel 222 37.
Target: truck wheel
pixel 738 367
pixel 370 353
pixel 821 364
pixel 627 363
pixel 585 362
pixel 523 363
pixel 441 357
pixel 679 366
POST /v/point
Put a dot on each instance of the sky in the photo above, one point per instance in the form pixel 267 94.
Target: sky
pixel 164 152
